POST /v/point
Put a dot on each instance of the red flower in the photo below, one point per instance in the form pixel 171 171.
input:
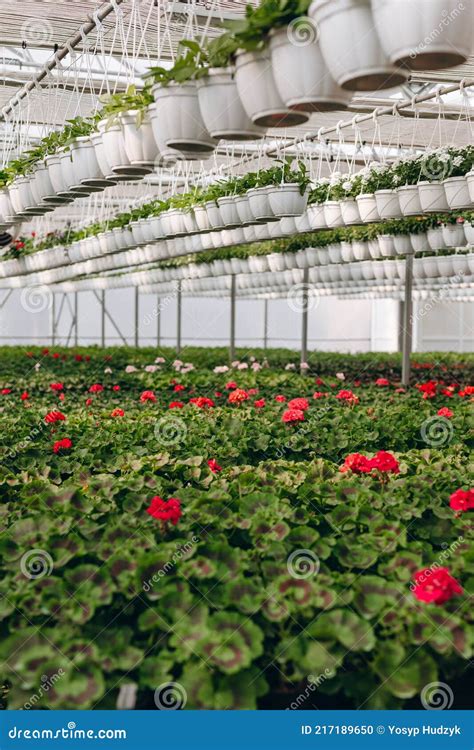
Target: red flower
pixel 78 357
pixel 96 388
pixel 319 381
pixel 428 389
pixel 25 396
pixel 214 466
pixel 293 415
pixel 467 391
pixel 218 394
pixel 165 510
pixel 115 387
pixel 179 387
pixel 357 463
pixel 348 396
pixel 298 403
pixel 319 394
pixel 176 405
pixel 435 586
pixel 202 402
pixel 385 462
pixel 382 381
pixel 357 383
pixel 54 416
pixel 61 396
pixel 87 358
pixel 56 386
pixel 237 396
pixel 400 390
pixel 445 412
pixel 259 403
pixel 148 396
pixel 88 401
pixel 56 355
pixel 6 391
pixel 62 445
pixel 281 399
pixel 231 385
pixel 45 352
pixel 462 500
pixel 252 391
pixel 117 413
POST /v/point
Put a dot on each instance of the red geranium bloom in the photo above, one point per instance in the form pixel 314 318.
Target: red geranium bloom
pixel 252 391
pixel 400 390
pixel 25 396
pixel 61 397
pixel 45 352
pixel 214 466
pixel 259 403
pixel 382 381
pixel 87 358
pixel 56 386
pixel 319 394
pixel 117 413
pixel 62 445
pixel 217 394
pixel 176 405
pixel 357 463
pixel 88 401
pixel 357 383
pixel 298 403
pixel 231 385
pixel 147 396
pixel 78 357
pixel 346 395
pixel 445 412
pixel 467 391
pixel 293 415
pixel 462 500
pixel 385 462
pixel 319 381
pixel 202 402
pixel 115 387
pixel 96 388
pixel 281 399
pixel 237 396
pixel 6 391
pixel 54 416
pixel 428 389
pixel 435 586
pixel 56 355
pixel 179 387
pixel 165 510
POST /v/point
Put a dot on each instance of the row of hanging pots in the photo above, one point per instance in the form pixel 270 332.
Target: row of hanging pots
pixel 372 44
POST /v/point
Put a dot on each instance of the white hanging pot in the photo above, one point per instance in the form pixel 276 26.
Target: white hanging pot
pixel 453 235
pixel 215 218
pixel 286 200
pixel 6 208
pixel 402 244
pixel 378 270
pixel 468 232
pixel 276 262
pixel 287 226
pixel 77 168
pixel 316 216
pixel 445 265
pixel 349 211
pixel 136 228
pixel 332 213
pixel 386 244
pixel 302 223
pixel 350 47
pixel 157 228
pixel 388 204
pixel 432 196
pixel 222 110
pixel 44 186
pixel 470 184
pixel 244 211
pixel 202 219
pixel 457 193
pixel 460 265
pixel 360 250
pixel 374 249
pixel 425 35
pixel 435 238
pixel 190 221
pixel 114 146
pixel 139 141
pixel 258 92
pixel 67 168
pixel 260 203
pixel 26 201
pixel 176 118
pixel 347 251
pixel 105 167
pixel 300 73
pixel 419 242
pixel 258 263
pixel 390 269
pixel 228 211
pixel 335 252
pixel 367 207
pixel 409 199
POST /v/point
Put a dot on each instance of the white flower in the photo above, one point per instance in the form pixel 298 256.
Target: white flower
pixel 340 376
pixel 177 363
pixel 304 366
pixel 256 367
pixel 235 363
pixel 243 366
pixel 160 360
pixel 130 368
pixel 189 366
pixel 37 366
pixel 346 185
pixel 290 366
pixel 219 369
pixel 151 368
pixel 107 370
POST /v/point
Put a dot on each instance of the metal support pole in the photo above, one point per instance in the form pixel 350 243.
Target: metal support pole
pixel 178 320
pixel 158 321
pixel 407 338
pixel 102 322
pixel 265 325
pixel 53 318
pixel 304 318
pixel 76 319
pixel 232 317
pixel 401 315
pixel 137 309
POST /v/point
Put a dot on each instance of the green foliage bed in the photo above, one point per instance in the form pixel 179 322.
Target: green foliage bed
pixel 96 594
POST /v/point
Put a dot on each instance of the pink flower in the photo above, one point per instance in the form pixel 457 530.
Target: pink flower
pixel 445 412
pixel 293 415
pixel 280 398
pixel 298 403
pixel 435 586
pixel 259 403
pixel 148 396
pixel 462 500
pixel 382 382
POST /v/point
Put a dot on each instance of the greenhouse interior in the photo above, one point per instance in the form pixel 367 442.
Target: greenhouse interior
pixel 237 356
